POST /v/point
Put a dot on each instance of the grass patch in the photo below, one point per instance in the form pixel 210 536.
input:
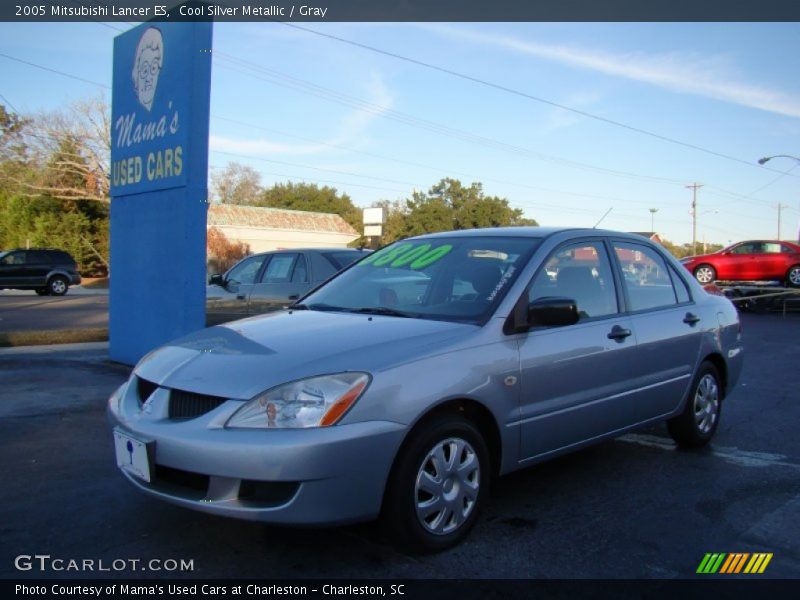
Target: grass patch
pixel 62 336
pixel 100 283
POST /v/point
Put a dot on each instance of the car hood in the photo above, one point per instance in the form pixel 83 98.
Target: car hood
pixel 243 358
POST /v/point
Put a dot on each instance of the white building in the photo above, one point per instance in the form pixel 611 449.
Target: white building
pixel 276 228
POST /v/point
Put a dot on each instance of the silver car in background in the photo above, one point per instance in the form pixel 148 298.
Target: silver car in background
pixel 403 385
pixel 270 281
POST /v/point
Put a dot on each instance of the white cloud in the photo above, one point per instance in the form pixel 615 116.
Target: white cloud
pixel 689 73
pixel 350 131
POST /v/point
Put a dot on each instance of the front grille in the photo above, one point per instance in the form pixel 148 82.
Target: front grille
pixel 188 405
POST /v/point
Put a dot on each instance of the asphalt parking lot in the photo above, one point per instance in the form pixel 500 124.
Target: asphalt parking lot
pixel 629 508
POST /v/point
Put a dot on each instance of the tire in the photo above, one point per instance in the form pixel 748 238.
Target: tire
pixel 698 422
pixel 793 276
pixel 430 506
pixel 42 292
pixel 705 274
pixel 57 286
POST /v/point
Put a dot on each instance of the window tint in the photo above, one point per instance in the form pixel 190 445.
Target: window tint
pixel 647 279
pixel 300 273
pixel 15 258
pixel 39 257
pixel 246 271
pixel 279 269
pixel 787 249
pixel 341 259
pixel 752 248
pixel 59 257
pixel 581 272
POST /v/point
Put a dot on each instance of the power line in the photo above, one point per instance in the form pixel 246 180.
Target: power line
pixel 285 80
pixel 8 103
pixel 520 93
pixel 430 167
pixel 56 71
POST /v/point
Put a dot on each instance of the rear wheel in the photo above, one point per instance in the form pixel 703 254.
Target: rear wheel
pixel 705 274
pixel 57 286
pixel 793 276
pixel 438 485
pixel 696 425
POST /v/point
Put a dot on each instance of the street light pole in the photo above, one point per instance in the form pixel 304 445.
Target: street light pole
pixel 694 187
pixel 762 161
pixel 653 212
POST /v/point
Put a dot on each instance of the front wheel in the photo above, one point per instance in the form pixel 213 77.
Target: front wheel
pixel 696 425
pixel 705 274
pixel 57 286
pixel 438 485
pixel 793 276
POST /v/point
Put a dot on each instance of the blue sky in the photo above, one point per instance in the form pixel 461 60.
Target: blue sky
pixel 299 106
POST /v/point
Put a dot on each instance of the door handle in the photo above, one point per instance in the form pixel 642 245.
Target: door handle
pixel 240 296
pixel 691 319
pixel 618 333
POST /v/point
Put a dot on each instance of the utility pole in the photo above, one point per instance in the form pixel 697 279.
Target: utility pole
pixel 653 212
pixel 694 187
pixel 780 208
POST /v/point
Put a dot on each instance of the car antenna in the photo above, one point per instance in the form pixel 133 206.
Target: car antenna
pixel 603 217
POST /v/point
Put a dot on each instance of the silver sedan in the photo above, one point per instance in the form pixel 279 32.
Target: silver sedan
pixel 404 384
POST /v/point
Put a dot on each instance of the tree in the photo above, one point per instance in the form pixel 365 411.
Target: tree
pixel 311 197
pixel 449 205
pixel 236 184
pixel 66 153
pixel 222 253
pixel 54 181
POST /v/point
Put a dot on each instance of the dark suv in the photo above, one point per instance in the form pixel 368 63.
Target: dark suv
pixel 47 271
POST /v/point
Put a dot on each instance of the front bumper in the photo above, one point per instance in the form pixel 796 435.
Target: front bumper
pixel 316 476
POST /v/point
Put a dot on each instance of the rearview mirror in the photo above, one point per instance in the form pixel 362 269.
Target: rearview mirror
pixel 552 311
pixel 216 280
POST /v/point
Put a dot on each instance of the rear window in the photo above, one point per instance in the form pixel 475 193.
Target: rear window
pixel 341 259
pixel 56 256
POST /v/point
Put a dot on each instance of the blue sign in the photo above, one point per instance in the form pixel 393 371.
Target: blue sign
pixel 159 168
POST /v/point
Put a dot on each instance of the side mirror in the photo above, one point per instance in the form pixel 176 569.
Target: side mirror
pixel 552 311
pixel 216 280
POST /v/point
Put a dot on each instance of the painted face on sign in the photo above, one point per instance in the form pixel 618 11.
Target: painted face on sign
pixel 147 66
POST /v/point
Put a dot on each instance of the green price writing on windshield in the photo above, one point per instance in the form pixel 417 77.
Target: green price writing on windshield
pixel 416 257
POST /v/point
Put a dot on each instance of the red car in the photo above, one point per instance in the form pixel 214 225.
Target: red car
pixel 748 261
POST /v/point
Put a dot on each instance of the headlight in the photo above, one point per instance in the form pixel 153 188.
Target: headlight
pixel 313 402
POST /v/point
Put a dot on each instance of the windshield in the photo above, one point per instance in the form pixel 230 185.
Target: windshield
pixel 453 279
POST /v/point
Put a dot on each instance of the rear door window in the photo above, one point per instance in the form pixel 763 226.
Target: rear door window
pixel 646 277
pixel 279 269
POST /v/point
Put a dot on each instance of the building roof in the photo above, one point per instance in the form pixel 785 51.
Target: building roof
pixel 234 215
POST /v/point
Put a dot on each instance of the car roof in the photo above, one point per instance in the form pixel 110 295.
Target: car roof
pixel 311 250
pixel 532 232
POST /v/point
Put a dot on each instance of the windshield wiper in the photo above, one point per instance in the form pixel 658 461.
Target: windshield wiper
pixel 382 310
pixel 302 306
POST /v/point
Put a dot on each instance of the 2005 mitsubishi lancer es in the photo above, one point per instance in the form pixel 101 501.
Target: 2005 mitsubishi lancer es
pixel 400 387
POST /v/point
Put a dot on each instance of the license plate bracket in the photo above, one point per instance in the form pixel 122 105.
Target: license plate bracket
pixel 134 456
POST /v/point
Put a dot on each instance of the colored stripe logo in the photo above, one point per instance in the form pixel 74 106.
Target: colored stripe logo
pixel 734 563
